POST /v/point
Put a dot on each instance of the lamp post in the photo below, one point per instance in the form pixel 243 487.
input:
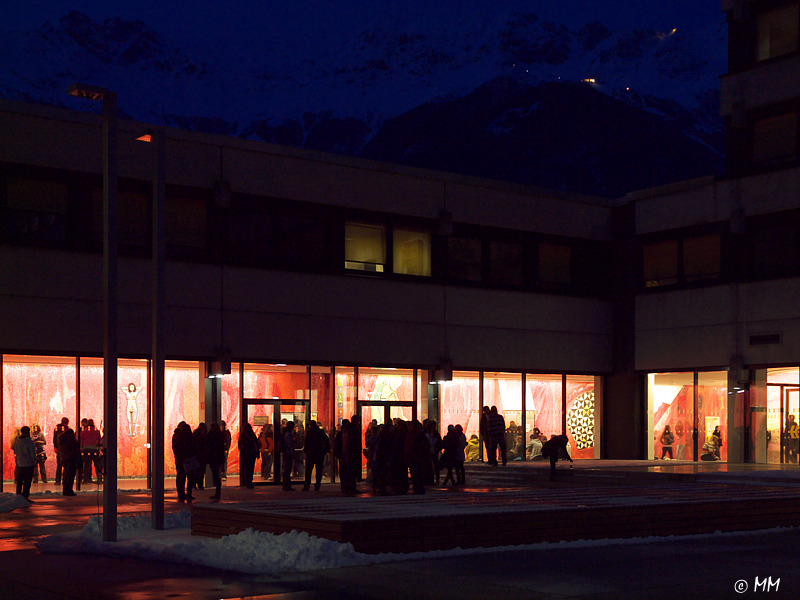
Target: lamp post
pixel 157 136
pixel 110 351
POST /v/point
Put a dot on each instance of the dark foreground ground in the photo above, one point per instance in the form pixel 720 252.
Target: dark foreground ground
pixel 729 565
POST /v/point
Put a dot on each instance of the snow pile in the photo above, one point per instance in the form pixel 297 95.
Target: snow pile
pixel 247 552
pixel 9 502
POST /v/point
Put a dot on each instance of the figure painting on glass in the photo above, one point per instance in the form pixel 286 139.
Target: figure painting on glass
pixel 132 410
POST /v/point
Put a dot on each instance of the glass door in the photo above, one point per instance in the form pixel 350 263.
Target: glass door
pixel 790 409
pixel 269 419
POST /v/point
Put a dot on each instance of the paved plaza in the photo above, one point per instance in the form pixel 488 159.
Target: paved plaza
pixel 719 565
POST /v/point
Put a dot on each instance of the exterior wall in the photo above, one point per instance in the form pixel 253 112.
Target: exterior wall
pixel 271 315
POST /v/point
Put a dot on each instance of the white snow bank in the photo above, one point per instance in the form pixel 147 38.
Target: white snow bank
pixel 264 553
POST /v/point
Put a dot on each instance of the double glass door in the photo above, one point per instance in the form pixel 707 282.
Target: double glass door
pixel 268 419
pixel 783 411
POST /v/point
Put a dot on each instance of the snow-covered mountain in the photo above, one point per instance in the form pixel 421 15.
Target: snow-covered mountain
pixel 592 96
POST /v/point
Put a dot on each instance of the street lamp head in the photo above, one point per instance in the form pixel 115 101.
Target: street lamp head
pixel 90 92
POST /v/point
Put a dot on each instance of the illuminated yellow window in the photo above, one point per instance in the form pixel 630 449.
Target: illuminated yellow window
pixel 412 252
pixel 365 247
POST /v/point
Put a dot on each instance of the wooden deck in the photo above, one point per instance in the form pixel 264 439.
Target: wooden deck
pixel 471 518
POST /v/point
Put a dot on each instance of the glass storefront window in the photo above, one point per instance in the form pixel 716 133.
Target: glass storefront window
pixel 460 405
pixel 670 398
pixel 345 395
pixel 37 390
pixel 231 391
pixel 504 390
pixel 543 400
pixel 412 252
pixel 365 247
pixel 581 415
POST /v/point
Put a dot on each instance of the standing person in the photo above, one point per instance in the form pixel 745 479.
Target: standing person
pixel 90 451
pixel 201 448
pixel 667 439
pixel 226 444
pixel 182 449
pixel 248 452
pixel 317 447
pixel 555 448
pixel 718 434
pixel 266 446
pixel 287 455
pixel 25 457
pixel 496 430
pixel 215 442
pixel 792 439
pixel 298 462
pixel 418 454
pixel 57 434
pixel 39 441
pixel 449 451
pixel 461 475
pixel 343 450
pixel 483 430
pixel 70 449
pixel 435 443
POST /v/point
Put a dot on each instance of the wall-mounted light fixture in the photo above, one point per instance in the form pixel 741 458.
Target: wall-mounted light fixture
pixel 443 371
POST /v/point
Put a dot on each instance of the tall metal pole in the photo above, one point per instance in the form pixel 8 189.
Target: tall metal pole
pixel 110 349
pixel 157 399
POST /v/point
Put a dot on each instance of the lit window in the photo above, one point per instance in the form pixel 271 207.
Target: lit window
pixel 412 252
pixel 660 263
pixel 365 247
pixel 555 264
pixel 702 257
pixel 778 31
pixel 775 138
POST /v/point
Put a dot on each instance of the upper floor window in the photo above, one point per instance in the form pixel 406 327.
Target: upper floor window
pixel 37 210
pixel 778 32
pixel 506 263
pixel 555 264
pixel 775 138
pixel 660 263
pixel 411 252
pixel 365 247
pixel 464 258
pixel 702 257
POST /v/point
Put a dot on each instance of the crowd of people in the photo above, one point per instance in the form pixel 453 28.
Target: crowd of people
pixel 400 455
pixel 75 453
